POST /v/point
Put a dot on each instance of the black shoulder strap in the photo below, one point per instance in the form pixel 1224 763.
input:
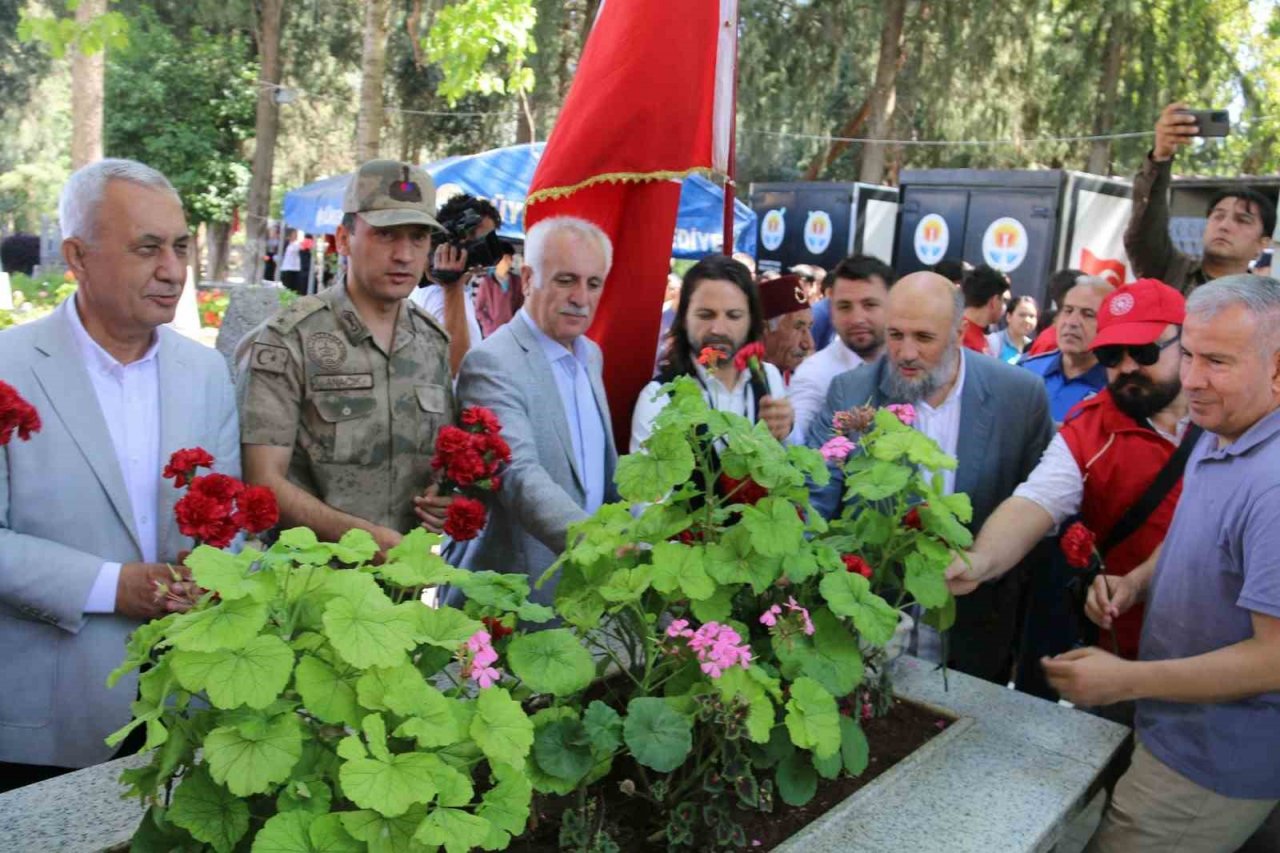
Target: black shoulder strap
pixel 1137 514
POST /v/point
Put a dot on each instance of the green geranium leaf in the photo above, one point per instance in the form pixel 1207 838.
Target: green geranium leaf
pixel 455 830
pixel 680 567
pixel 563 750
pixel 253 674
pixel 926 580
pixel 829 767
pixel 445 627
pixel 831 656
pixel 375 735
pixel 941 618
pixel 775 528
pixel 872 527
pixel 760 716
pixel 351 748
pixel 252 762
pixel 390 787
pixel 384 834
pixel 284 833
pixel 329 696
pixel 536 613
pixel 501 728
pixel 797 781
pixel 138 649
pixel 894 443
pixel 413 563
pixel 881 480
pixel 225 625
pixel 309 795
pixel 223 572
pixel 495 589
pixel 542 781
pixel 208 811
pixel 604 727
pixel 430 716
pixel 328 836
pixel 372 687
pixel 581 607
pixel 626 585
pixel 356 546
pixel 302 545
pixel 734 560
pixel 850 595
pixel 854 751
pixel 939 520
pixel 369 632
pixel 813 718
pixel 810 463
pixel 666 463
pixel 506 804
pixel 551 662
pixel 718 607
pixel 658 737
pixel 453 788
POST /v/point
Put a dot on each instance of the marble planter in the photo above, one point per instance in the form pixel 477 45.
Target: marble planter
pixel 1007 775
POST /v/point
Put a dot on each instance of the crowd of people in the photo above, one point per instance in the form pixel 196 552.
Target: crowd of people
pixel 1147 410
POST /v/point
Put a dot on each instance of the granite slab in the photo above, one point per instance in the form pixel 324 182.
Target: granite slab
pixel 80 812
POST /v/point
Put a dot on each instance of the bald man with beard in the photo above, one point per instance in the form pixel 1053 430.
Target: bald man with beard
pixel 991 416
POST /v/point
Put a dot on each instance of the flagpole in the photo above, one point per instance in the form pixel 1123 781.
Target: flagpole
pixel 732 166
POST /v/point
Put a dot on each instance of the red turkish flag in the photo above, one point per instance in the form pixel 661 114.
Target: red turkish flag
pixel 651 103
pixel 1111 270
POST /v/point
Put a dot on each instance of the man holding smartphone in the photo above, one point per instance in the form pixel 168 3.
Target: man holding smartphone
pixel 1240 221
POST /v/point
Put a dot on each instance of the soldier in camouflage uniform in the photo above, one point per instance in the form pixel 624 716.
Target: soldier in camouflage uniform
pixel 344 391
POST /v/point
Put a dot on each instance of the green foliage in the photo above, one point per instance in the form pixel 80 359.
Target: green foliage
pixel 467 37
pixel 58 35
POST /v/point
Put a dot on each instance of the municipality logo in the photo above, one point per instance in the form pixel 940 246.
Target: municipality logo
pixel 1004 245
pixel 817 231
pixel 932 238
pixel 773 228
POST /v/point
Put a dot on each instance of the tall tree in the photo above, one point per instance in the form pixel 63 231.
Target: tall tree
pixel 373 65
pixel 268 20
pixel 884 92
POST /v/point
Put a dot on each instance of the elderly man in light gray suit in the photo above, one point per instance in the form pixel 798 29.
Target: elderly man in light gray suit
pixel 541 375
pixel 994 418
pixel 86 521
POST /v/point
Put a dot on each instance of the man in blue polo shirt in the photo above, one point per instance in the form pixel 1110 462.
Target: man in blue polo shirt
pixel 1206 768
pixel 1072 373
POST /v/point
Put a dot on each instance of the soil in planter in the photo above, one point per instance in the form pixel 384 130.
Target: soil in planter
pixel 892 737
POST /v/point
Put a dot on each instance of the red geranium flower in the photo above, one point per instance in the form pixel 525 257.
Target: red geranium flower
pixel 496 445
pixel 450 439
pixel 16 414
pixel 464 518
pixel 256 509
pixel 755 350
pixel 496 629
pixel 710 358
pixel 1077 545
pixel 744 491
pixel 183 464
pixel 466 467
pixel 855 564
pixel 481 417
pixel 204 517
pixel 912 519
pixel 219 487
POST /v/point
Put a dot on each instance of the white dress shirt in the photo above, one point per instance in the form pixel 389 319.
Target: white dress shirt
pixel 431 300
pixel 943 425
pixel 718 397
pixel 1057 483
pixel 809 384
pixel 129 397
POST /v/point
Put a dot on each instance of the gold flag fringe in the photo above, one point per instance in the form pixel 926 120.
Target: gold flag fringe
pixel 549 193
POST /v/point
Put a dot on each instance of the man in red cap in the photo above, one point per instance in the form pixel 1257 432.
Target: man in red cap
pixel 1116 464
pixel 788 323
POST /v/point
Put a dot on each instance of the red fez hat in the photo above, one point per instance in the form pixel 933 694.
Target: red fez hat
pixel 782 295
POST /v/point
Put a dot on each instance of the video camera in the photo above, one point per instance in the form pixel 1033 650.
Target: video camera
pixel 482 252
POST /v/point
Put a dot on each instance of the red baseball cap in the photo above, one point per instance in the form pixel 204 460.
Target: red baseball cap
pixel 1137 313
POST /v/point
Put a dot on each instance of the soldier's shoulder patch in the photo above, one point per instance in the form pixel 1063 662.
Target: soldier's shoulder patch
pixel 269 358
pixel 303 307
pixel 428 318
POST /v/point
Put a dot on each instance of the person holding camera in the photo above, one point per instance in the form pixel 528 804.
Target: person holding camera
pixel 1239 226
pixel 469 247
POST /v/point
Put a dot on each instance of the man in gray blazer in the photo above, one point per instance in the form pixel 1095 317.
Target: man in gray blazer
pixel 541 375
pixel 992 417
pixel 86 522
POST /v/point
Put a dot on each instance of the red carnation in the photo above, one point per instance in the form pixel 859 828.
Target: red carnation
pixel 497 630
pixel 481 417
pixel 496 445
pixel 466 467
pixel 464 518
pixel 184 463
pixel 855 564
pixel 219 487
pixel 1077 545
pixel 256 509
pixel 744 357
pixel 203 517
pixel 16 414
pixel 912 519
pixel 744 491
pixel 450 440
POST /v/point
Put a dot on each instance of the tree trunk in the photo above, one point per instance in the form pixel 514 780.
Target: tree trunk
pixel 270 19
pixel 219 239
pixel 194 254
pixel 87 76
pixel 1105 112
pixel 884 92
pixel 373 65
pixel 823 161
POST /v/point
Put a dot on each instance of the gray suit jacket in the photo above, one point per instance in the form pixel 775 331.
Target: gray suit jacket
pixel 542 489
pixel 64 511
pixel 1004 428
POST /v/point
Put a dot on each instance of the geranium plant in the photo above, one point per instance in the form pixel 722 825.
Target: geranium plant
pixel 739 621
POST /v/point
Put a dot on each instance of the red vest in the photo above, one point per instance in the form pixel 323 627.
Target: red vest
pixel 1119 459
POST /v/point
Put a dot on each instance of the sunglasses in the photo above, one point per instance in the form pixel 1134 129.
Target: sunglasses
pixel 1144 354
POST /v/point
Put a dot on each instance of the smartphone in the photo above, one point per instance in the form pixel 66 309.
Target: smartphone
pixel 1211 122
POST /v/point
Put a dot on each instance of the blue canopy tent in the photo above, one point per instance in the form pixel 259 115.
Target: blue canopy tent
pixel 503 176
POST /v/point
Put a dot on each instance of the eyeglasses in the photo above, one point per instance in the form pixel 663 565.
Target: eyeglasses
pixel 1144 354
